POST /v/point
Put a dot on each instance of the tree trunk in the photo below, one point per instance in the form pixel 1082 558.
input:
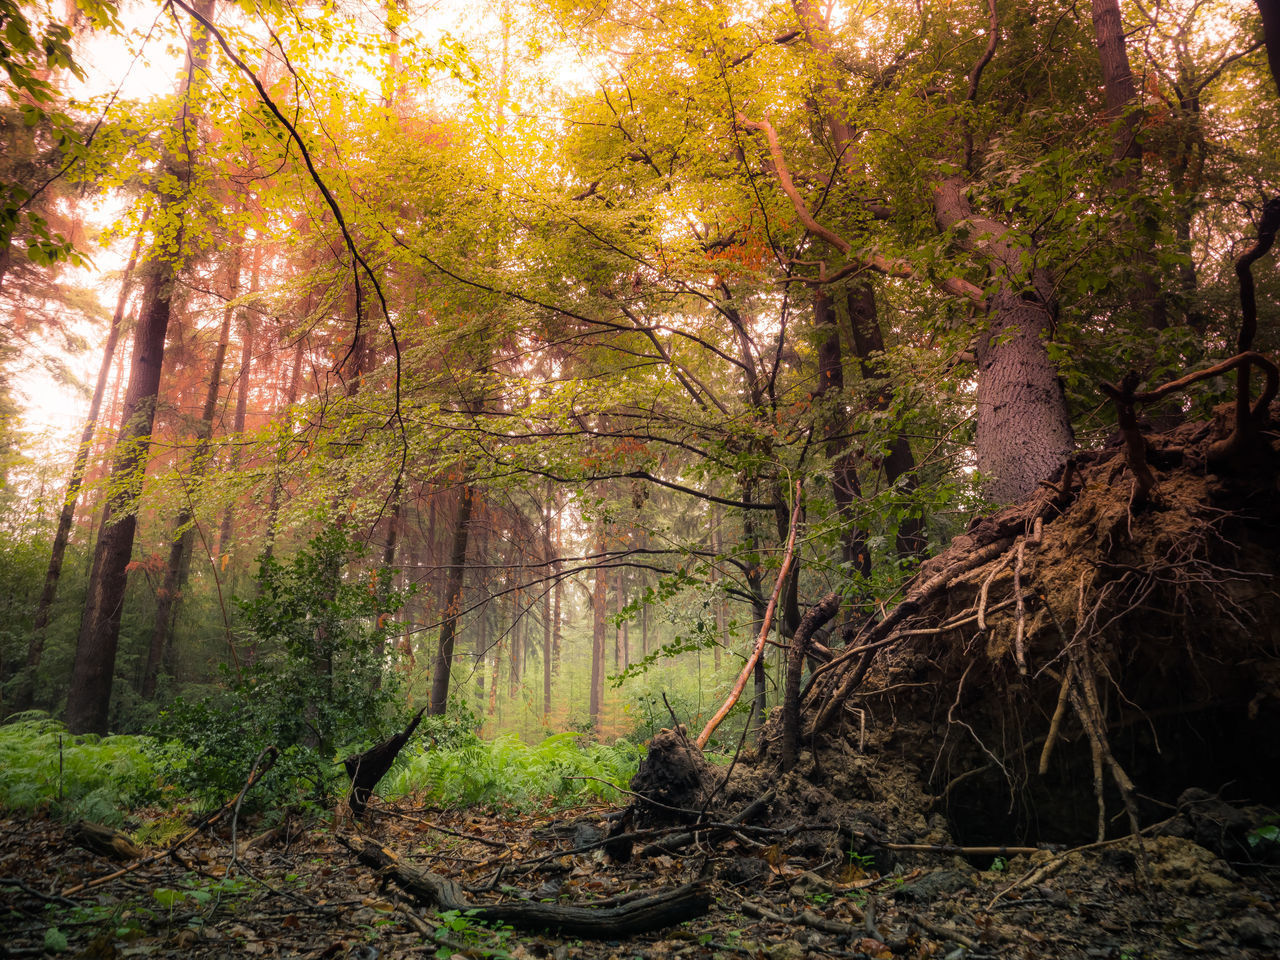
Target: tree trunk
pixel 89 695
pixel 242 393
pixel 452 603
pixel 481 647
pixel 179 565
pixel 548 555
pixel 844 470
pixel 556 600
pixel 1117 81
pixel 383 578
pixel 1023 430
pixel 1123 113
pixel 35 649
pixel 900 462
pixel 599 611
pixel 277 485
pixel 518 621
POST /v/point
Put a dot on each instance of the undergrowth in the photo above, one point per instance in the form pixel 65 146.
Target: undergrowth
pixel 75 777
pixel 511 772
pixel 42 767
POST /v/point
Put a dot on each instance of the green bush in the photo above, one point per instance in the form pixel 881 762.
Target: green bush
pixel 89 777
pixel 313 684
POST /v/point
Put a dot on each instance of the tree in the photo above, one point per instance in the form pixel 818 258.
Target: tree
pixel 89 695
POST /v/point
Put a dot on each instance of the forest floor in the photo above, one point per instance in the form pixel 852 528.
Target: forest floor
pixel 299 891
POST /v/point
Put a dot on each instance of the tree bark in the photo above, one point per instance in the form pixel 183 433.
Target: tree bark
pixel 1122 112
pixel 179 564
pixel 1023 430
pixel 277 485
pixel 452 603
pixel 548 555
pixel 35 650
pixel 242 393
pixel 89 695
pixel 1118 86
pixel 844 466
pixel 900 462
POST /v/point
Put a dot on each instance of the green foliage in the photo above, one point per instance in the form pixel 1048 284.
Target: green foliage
pixel 77 777
pixel 313 686
pixel 461 930
pixel 509 771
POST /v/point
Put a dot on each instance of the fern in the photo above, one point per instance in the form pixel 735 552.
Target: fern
pixel 510 772
pixel 94 778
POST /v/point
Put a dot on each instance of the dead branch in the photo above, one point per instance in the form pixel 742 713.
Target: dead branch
pixel 654 911
pixel 367 768
pixel 738 687
pixel 264 762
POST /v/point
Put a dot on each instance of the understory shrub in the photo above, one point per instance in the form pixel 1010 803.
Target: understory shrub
pixel 312 682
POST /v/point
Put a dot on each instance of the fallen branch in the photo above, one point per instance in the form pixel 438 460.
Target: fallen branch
pixel 653 911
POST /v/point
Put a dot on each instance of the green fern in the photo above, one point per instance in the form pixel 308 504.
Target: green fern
pixel 89 777
pixel 508 771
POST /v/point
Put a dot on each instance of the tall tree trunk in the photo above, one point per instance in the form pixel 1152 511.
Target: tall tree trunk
pixel 868 340
pixel 89 695
pixel 599 614
pixel 179 564
pixel 277 483
pixel 496 661
pixel 518 621
pixel 844 463
pixel 1023 430
pixel 1122 112
pixel 35 649
pixel 900 463
pixel 384 578
pixel 481 648
pixel 242 393
pixel 548 556
pixel 557 598
pixel 1119 89
pixel 452 603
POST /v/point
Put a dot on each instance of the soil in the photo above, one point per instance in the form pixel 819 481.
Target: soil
pixel 779 888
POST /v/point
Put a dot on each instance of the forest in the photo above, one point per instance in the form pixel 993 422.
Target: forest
pixel 557 478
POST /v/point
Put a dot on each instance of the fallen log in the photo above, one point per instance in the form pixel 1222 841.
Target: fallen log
pixel 104 841
pixel 653 911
